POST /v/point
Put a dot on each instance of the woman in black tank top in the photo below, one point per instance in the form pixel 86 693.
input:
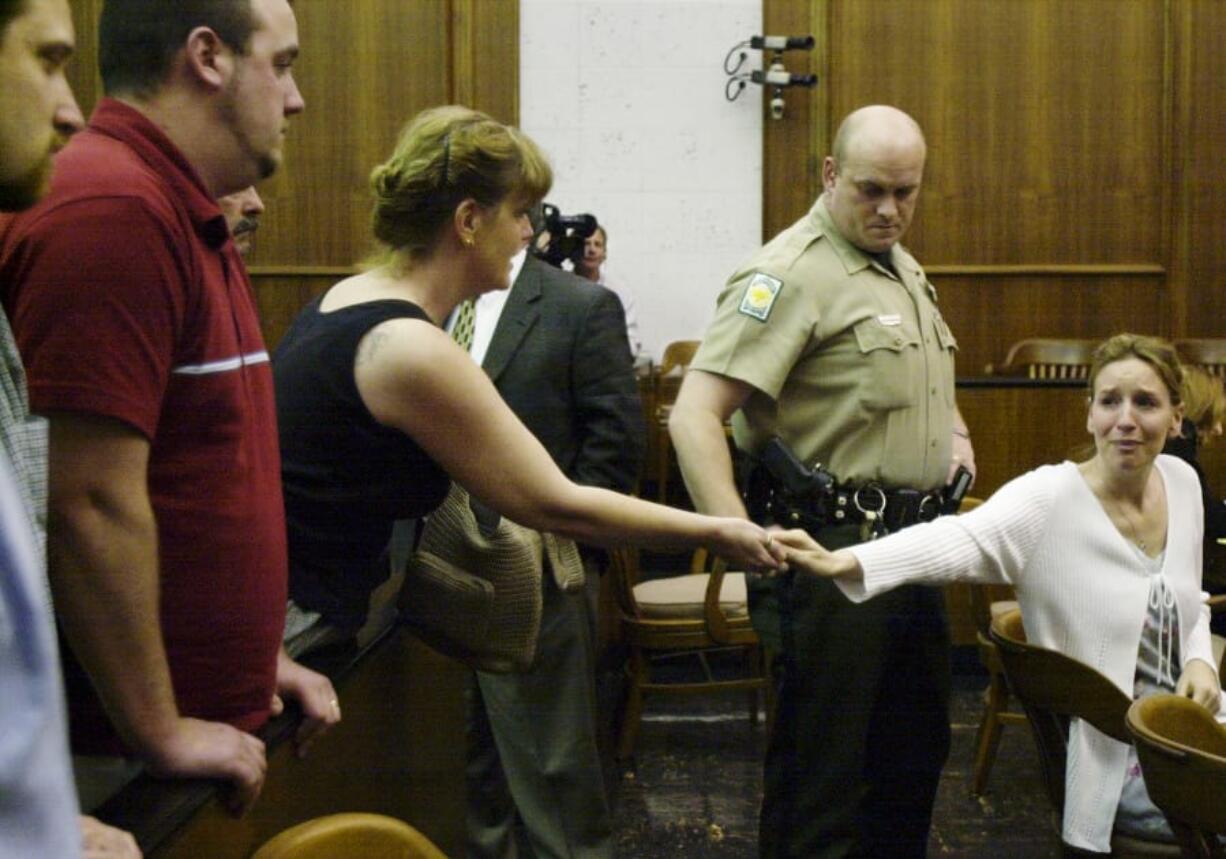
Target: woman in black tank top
pixel 379 408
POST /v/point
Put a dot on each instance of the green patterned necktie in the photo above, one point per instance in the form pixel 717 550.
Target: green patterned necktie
pixel 465 323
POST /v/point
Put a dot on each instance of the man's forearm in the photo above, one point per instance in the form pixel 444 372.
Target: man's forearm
pixel 104 574
pixel 706 463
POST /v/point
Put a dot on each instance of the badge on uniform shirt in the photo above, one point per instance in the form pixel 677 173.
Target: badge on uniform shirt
pixel 760 296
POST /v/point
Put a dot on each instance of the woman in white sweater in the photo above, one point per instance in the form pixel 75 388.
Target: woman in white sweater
pixel 1105 556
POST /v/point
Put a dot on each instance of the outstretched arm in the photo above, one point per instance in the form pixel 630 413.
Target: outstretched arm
pixel 413 377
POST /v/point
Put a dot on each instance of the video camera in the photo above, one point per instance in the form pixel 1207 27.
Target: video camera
pixel 567 234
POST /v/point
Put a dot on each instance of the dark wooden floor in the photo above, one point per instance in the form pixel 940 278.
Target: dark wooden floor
pixel 698 782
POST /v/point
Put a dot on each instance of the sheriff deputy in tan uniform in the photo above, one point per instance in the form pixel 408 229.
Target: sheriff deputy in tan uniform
pixel 830 338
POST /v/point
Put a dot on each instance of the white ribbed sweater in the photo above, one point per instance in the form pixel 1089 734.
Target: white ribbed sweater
pixel 1083 591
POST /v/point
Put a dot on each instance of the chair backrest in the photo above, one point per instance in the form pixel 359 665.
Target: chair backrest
pixel 371 836
pixel 1209 355
pixel 1047 358
pixel 1183 757
pixel 1052 688
pixel 679 353
pixel 667 378
pixel 717 621
pixel 624 568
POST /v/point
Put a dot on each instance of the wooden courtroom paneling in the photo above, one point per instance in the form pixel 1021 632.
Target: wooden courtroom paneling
pixel 792 148
pixel 282 296
pixel 363 76
pixel 1035 112
pixel 364 69
pixel 1199 219
pixel 399 751
pixel 83 68
pixel 1074 149
pixel 988 313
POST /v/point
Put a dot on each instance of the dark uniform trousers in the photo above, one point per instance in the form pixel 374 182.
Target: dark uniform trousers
pixel 862 728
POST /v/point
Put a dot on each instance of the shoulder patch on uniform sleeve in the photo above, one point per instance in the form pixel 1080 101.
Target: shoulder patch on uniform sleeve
pixel 760 296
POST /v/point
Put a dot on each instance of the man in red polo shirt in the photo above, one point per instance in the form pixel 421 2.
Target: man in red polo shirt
pixel 138 325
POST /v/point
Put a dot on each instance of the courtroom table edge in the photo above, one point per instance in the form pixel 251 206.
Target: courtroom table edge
pixel 153 808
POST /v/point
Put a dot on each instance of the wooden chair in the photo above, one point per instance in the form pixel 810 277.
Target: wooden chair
pixel 1183 757
pixel 1046 358
pixel 668 376
pixel 678 355
pixel 371 836
pixel 698 613
pixel 988 601
pixel 1053 688
pixel 1209 355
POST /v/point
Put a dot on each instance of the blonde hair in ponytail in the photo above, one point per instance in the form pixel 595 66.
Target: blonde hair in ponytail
pixel 446 155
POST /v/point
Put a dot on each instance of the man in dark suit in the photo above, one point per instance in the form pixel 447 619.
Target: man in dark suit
pixel 558 354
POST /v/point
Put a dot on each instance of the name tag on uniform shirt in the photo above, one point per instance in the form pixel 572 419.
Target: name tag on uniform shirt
pixel 890 319
pixel 760 296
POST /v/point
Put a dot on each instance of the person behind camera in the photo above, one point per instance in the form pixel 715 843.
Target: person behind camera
pixel 590 265
pixel 379 409
pixel 1105 556
pixel 830 337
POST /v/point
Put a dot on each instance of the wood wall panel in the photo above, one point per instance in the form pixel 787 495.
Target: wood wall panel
pixel 792 162
pixel 83 68
pixel 989 313
pixel 1200 223
pixel 281 297
pixel 485 35
pixel 1034 112
pixel 365 69
pixel 1074 155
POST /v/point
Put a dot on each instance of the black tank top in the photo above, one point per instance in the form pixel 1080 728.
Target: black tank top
pixel 346 477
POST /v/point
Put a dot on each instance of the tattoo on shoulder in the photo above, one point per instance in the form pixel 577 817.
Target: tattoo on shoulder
pixel 370 346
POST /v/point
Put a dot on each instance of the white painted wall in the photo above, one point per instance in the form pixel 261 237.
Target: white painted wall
pixel 627 98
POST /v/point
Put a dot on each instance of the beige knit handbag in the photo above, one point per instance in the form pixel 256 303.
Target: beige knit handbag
pixel 473 588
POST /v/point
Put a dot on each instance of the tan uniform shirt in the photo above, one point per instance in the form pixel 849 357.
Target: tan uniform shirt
pixel 852 367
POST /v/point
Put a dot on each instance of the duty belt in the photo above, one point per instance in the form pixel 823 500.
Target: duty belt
pixel 781 488
pixel 876 509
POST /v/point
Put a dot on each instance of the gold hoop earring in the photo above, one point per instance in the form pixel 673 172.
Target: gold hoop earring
pixel 468 241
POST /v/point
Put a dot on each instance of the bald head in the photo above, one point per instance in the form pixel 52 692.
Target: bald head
pixel 873 177
pixel 875 126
